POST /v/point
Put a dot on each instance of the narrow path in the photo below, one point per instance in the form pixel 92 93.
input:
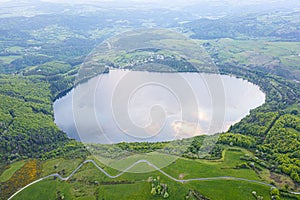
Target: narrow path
pixel 134 164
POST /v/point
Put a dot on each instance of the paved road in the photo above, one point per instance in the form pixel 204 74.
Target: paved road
pixel 134 164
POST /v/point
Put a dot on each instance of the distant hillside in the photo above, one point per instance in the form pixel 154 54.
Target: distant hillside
pixel 282 26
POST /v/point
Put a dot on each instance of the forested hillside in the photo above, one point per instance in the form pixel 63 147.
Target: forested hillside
pixel 27 128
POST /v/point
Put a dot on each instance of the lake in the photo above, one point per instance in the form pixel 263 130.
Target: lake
pixel 137 106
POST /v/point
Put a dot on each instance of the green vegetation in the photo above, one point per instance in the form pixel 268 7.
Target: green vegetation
pixel 237 140
pixel 282 145
pixel 89 182
pixel 11 169
pixel 125 191
pixel 271 25
pixel 158 188
pixel 41 62
pixel 140 49
pixel 26 120
pixel 62 166
pixel 59 75
pixel 50 189
pixel 27 127
pixel 29 172
pixel 211 190
pixel 227 189
pixel 279 58
pixel 194 195
pixel 204 168
pixel 274 137
pixel 269 131
pixel 256 124
pixel 141 147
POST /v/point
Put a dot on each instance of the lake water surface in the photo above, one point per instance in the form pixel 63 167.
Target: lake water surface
pixel 133 106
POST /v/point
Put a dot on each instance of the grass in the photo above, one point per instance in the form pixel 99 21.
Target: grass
pixel 229 189
pixel 141 190
pixel 128 191
pixel 258 52
pixel 90 183
pixel 292 61
pixel 47 189
pixel 8 173
pixel 190 168
pixel 221 190
pixel 204 168
pixel 8 59
pixel 59 165
pixel 158 159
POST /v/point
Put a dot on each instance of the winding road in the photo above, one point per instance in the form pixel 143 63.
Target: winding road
pixel 134 164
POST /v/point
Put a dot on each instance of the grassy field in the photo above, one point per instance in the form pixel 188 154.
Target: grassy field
pixel 203 168
pixel 8 59
pixel 279 57
pixel 60 165
pixel 221 190
pixel 8 173
pixel 90 183
pixel 228 190
pixel 47 189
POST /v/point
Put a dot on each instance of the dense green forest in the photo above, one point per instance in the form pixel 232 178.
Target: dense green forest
pixel 27 123
pixel 274 138
pixel 27 127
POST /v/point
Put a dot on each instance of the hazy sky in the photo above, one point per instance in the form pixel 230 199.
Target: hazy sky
pixel 164 2
pixel 170 2
pixel 177 3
